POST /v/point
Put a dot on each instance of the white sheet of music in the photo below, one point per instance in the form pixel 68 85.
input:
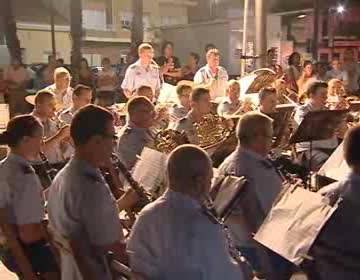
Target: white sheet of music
pixel 167 94
pixel 294 222
pixel 149 170
pixel 4 116
pixel 335 167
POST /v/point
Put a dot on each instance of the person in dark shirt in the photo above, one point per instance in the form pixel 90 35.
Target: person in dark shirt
pixel 190 70
pixel 170 66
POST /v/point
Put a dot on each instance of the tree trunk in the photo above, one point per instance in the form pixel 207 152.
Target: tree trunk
pixel 9 25
pixel 76 36
pixel 137 29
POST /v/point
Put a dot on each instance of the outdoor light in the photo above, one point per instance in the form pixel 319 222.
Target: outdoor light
pixel 301 16
pixel 340 9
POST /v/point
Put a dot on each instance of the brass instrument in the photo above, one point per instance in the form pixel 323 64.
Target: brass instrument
pixel 212 130
pixel 145 197
pixel 168 139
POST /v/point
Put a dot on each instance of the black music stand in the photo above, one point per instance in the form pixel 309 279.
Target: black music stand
pixel 281 120
pixel 318 125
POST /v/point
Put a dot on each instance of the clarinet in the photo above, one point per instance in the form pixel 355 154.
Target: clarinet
pixel 49 171
pixel 145 197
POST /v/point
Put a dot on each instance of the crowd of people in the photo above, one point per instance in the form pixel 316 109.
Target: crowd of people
pixel 176 236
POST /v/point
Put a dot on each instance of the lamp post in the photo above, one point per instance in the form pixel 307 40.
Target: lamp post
pixel 244 38
pixel 52 26
pixel 260 31
pixel 333 13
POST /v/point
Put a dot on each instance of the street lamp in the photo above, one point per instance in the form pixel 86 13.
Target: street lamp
pixel 340 9
pixel 335 11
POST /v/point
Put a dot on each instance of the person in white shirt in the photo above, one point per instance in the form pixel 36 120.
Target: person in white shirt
pixel 142 72
pixel 336 72
pixel 212 75
pixel 173 238
pixel 61 88
pixel 232 103
pixel 107 82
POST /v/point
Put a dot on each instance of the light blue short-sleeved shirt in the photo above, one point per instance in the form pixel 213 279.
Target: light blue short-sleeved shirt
pixel 82 208
pixel 261 176
pixel 137 75
pixel 20 191
pixel 186 125
pixel 204 75
pixel 173 239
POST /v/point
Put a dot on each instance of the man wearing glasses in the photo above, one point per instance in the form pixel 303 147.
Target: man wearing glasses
pixel 61 88
pixel 81 206
pixel 250 159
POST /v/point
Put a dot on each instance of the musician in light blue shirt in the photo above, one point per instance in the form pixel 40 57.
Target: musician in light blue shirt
pixel 173 238
pixel 336 250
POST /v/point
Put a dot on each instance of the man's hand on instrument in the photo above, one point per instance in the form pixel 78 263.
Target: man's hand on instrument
pixel 128 200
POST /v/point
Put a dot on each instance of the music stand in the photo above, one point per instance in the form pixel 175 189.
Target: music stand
pixel 281 120
pixel 318 125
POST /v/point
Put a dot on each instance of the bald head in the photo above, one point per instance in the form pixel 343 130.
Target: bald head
pixel 190 170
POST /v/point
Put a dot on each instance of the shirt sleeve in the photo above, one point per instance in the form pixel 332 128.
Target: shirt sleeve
pixel 28 202
pixel 4 192
pixel 198 78
pixel 128 82
pixel 101 216
pixel 299 115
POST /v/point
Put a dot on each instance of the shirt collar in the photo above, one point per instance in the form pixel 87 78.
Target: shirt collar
pixel 131 125
pixel 182 199
pixel 85 166
pixel 251 154
pixel 18 159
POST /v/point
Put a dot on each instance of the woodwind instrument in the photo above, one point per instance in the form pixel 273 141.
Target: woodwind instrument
pixel 209 210
pixel 47 172
pixel 145 196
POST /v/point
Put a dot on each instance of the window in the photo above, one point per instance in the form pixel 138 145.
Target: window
pixel 95 20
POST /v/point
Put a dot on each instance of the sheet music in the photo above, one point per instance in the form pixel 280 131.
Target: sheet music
pixel 149 170
pixel 335 167
pixel 167 94
pixel 245 83
pixel 4 116
pixel 293 224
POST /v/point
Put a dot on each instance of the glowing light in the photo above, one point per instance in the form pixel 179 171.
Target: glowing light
pixel 340 9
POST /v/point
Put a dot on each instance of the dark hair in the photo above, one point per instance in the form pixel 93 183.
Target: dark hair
pixel 314 86
pixel 60 60
pixel 212 52
pixel 43 95
pixel 142 88
pixel 351 146
pixel 197 93
pixel 86 62
pixel 138 101
pixel 89 121
pixel 180 89
pixel 209 46
pixel 266 91
pixel 17 128
pixel 307 62
pixel 165 45
pixel 195 56
pixel 79 89
pixel 292 57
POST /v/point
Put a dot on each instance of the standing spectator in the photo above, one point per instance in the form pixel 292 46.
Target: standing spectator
pixel 17 77
pixel 307 77
pixel 47 73
pixel 61 88
pixel 352 69
pixel 107 82
pixel 3 87
pixel 293 72
pixel 86 77
pixel 190 70
pixel 169 64
pixel 336 72
pixel 321 71
pixel 271 57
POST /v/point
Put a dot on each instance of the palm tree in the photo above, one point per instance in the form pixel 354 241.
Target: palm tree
pixel 137 29
pixel 76 36
pixel 9 25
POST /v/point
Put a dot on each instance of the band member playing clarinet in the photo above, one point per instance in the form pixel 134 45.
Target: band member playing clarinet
pixel 21 199
pixel 81 206
pixel 173 238
pixel 336 250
